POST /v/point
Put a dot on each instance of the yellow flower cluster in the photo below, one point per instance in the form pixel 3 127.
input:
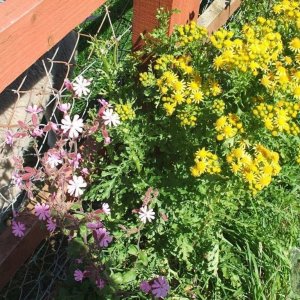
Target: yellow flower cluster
pixel 180 87
pixel 189 33
pixel 218 107
pixel 205 162
pixel 279 117
pixel 258 47
pixel 228 126
pixel 258 169
pixel 125 111
pixel 288 11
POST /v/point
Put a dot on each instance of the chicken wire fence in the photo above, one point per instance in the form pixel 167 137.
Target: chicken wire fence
pixel 43 85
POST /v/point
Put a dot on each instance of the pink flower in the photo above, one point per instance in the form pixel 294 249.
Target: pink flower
pixel 85 172
pixel 9 137
pixel 54 159
pixel 64 107
pixel 100 283
pixel 17 179
pixel 73 127
pixel 37 132
pixel 42 211
pixel 78 275
pixel 68 85
pixel 34 109
pixel 75 158
pixel 102 237
pixel 103 102
pixel 160 287
pixel 80 86
pixel 51 224
pixel 18 229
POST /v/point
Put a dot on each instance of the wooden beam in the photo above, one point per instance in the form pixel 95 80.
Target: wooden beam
pixel 144 15
pixel 217 14
pixel 29 28
pixel 15 251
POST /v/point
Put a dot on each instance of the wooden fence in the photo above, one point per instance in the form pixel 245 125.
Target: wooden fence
pixel 29 28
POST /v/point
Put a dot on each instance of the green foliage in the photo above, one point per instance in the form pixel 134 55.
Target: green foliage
pixel 212 236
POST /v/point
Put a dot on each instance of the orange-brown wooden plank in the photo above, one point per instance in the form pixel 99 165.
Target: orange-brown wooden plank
pixel 144 15
pixel 217 15
pixel 29 28
pixel 15 251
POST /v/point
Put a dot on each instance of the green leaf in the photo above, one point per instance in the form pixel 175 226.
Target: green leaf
pixel 133 250
pixel 129 276
pixel 143 258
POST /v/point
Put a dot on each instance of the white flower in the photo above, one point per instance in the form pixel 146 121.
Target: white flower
pixel 75 186
pixel 80 86
pixel 74 127
pixel 64 107
pixel 145 214
pixel 53 160
pixel 111 118
pixel 105 208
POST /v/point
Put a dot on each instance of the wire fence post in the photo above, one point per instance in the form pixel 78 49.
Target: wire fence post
pixel 144 15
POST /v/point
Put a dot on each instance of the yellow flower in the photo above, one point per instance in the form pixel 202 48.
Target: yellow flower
pixel 294 45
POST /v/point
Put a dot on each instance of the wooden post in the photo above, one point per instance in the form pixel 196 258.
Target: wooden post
pixel 144 15
pixel 29 28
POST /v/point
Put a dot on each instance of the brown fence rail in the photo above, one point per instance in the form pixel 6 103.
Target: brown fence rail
pixel 29 28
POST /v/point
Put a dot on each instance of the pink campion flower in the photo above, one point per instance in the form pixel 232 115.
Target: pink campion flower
pixel 73 127
pixel 37 132
pixel 51 225
pixel 76 185
pixel 9 137
pixel 145 287
pixel 107 139
pixel 94 225
pixel 102 237
pixel 111 118
pixel 80 86
pixel 17 179
pixel 53 159
pixel 160 287
pixel 103 102
pixel 100 283
pixel 78 260
pixel 68 85
pixel 64 107
pixel 34 109
pixel 85 172
pixel 42 211
pixel 105 208
pixel 75 159
pixel 78 275
pixel 18 228
pixel 146 214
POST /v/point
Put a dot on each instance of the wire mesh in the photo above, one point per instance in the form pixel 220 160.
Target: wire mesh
pixel 112 24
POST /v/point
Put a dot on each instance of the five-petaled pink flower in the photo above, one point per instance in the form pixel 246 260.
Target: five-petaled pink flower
pixel 42 211
pixel 9 137
pixel 51 224
pixel 18 229
pixel 64 107
pixel 80 86
pixel 73 127
pixel 34 109
pixel 78 275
